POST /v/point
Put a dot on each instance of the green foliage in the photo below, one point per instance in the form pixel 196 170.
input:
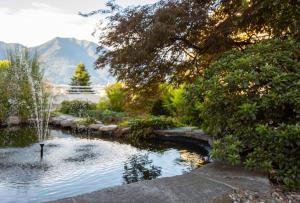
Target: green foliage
pixel 251 105
pixel 81 76
pixel 107 116
pixel 16 96
pixel 143 128
pixel 77 108
pixel 160 42
pixel 86 121
pixel 116 97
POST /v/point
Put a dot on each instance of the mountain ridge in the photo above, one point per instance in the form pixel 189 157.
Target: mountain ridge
pixel 60 56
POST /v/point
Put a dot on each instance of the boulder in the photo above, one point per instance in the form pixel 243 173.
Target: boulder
pixel 55 120
pixel 13 120
pixel 68 123
pixel 95 126
pixel 108 128
pixel 122 131
pixel 81 127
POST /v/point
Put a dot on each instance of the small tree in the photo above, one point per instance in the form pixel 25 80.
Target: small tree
pixel 81 76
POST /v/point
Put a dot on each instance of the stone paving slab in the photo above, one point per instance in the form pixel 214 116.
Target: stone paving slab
pixel 186 132
pixel 202 185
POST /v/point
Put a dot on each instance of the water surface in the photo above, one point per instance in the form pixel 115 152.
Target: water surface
pixel 76 164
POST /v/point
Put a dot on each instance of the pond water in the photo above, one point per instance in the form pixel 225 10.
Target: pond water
pixel 75 164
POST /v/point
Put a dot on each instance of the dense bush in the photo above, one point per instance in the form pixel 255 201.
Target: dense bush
pixel 77 107
pixel 16 95
pixel 116 96
pixel 143 127
pixel 107 116
pixel 252 107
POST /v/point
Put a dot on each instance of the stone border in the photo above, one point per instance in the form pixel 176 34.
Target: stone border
pixel 212 183
pixel 72 122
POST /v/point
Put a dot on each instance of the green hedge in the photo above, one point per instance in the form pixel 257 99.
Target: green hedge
pixel 252 107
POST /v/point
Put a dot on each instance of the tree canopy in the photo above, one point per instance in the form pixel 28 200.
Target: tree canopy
pixel 81 76
pixel 175 40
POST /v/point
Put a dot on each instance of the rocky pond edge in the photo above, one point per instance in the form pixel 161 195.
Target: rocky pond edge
pixel 215 182
pixel 75 123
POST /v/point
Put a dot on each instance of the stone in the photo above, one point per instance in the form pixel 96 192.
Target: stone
pixel 122 131
pixel 56 120
pixel 108 128
pixel 81 127
pixel 95 126
pixel 13 120
pixel 195 187
pixel 68 123
pixel 188 132
pixel 99 122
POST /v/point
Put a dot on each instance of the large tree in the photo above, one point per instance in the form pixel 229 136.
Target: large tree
pixel 81 76
pixel 176 39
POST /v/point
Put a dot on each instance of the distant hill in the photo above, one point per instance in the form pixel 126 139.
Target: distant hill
pixel 60 56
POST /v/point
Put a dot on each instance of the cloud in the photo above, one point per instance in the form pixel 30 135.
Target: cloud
pixel 41 22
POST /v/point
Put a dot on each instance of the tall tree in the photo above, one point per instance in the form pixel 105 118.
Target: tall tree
pixel 81 76
pixel 175 40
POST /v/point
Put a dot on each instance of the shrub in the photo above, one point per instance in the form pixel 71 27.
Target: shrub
pixel 143 128
pixel 116 95
pixel 252 107
pixel 16 96
pixel 107 116
pixel 76 108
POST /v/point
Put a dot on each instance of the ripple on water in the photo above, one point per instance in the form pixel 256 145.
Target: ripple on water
pixel 72 166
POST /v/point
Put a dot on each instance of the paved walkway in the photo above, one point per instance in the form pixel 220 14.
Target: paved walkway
pixel 210 183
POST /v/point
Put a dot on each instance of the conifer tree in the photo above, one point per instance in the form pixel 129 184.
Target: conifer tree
pixel 81 76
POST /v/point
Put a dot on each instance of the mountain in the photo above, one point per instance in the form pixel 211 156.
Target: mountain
pixel 60 56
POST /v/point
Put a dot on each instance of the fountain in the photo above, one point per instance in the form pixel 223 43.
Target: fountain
pixel 40 104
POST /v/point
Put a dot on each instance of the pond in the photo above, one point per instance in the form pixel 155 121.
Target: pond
pixel 74 164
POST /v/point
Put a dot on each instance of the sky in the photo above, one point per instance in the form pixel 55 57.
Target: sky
pixel 33 22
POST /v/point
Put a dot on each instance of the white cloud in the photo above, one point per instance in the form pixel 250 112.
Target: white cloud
pixel 32 22
pixel 36 25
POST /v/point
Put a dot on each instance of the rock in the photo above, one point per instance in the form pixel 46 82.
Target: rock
pixel 99 122
pixel 197 186
pixel 108 128
pixel 95 126
pixel 81 127
pixel 67 123
pixel 56 120
pixel 13 120
pixel 122 131
pixel 187 132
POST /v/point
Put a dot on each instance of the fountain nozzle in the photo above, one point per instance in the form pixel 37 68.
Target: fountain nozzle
pixel 42 150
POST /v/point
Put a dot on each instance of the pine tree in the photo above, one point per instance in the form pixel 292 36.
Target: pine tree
pixel 81 76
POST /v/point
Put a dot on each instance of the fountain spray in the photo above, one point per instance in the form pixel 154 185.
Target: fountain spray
pixel 41 101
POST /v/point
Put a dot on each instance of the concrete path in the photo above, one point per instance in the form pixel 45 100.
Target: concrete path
pixel 208 184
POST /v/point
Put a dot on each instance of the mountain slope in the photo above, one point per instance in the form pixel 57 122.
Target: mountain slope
pixel 60 57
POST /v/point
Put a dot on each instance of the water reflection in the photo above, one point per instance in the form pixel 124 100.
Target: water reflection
pixel 17 137
pixel 140 167
pixel 75 164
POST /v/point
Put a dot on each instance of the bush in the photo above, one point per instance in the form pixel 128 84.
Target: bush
pixel 143 128
pixel 16 96
pixel 107 116
pixel 252 107
pixel 116 95
pixel 77 108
